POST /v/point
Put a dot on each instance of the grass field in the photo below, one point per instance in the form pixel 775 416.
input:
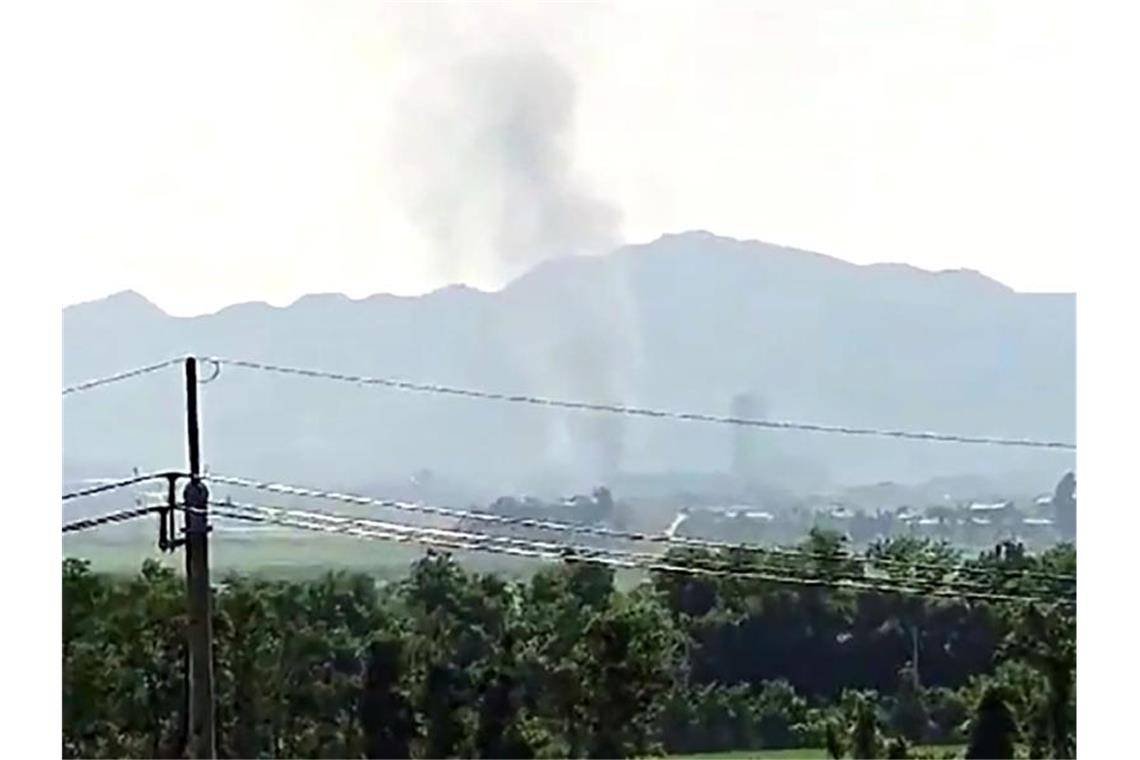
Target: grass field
pixel 287 555
pixel 808 753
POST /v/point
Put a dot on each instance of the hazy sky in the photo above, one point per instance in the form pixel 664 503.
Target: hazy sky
pixel 226 152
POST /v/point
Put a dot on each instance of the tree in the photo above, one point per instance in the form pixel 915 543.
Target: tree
pixel 563 665
pixel 442 705
pixel 626 660
pixel 836 747
pixel 386 715
pixel 909 716
pixel 1062 707
pixel 898 749
pixel 498 734
pixel 865 739
pixel 1047 640
pixel 1040 735
pixel 248 638
pixel 994 729
pixel 948 710
pixel 778 708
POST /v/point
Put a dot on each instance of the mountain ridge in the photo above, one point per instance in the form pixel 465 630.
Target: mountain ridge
pixel 138 298
pixel 685 322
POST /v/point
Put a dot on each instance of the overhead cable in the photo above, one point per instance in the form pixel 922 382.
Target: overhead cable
pixel 474 539
pixel 601 530
pixel 610 558
pixel 639 411
pixel 107 519
pixel 117 484
pixel 89 384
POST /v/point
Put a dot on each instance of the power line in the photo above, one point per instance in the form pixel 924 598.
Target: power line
pixel 593 555
pixel 1006 572
pixel 562 526
pixel 638 411
pixel 475 540
pixel 89 384
pixel 599 530
pixel 111 517
pixel 115 485
pixel 588 406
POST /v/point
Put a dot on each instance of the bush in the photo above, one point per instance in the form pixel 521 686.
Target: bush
pixel 948 710
pixel 778 709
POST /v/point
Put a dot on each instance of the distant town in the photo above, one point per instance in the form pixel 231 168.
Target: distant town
pixel 1038 522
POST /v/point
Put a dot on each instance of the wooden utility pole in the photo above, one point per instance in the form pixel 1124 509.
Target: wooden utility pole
pixel 200 629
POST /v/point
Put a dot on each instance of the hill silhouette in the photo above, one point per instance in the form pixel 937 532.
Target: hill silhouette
pixel 685 322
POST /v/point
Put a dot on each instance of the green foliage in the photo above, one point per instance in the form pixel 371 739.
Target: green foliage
pixel 1046 639
pixel 123 650
pixel 627 655
pixel 898 749
pixel 449 662
pixel 909 716
pixel 994 729
pixel 387 718
pixel 866 740
pixel 779 710
pixel 835 743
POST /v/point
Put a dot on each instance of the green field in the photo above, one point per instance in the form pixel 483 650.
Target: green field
pixel 279 556
pixel 288 556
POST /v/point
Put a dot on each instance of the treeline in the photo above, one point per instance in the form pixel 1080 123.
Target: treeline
pixel 451 663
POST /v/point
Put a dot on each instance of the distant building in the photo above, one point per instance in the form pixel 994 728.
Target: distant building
pixel 764 516
pixel 982 507
pixel 1065 507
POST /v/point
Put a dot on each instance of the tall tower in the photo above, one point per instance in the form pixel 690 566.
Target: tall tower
pixel 1065 507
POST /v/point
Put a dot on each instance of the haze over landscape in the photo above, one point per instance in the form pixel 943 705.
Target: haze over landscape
pixel 481 184
pixel 689 380
pixel 400 147
pixel 684 323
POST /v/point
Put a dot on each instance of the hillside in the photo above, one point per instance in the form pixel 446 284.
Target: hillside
pixel 684 322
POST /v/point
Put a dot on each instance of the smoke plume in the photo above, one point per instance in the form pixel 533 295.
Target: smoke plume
pixel 484 160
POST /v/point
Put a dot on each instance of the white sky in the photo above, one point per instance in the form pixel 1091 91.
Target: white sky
pixel 207 153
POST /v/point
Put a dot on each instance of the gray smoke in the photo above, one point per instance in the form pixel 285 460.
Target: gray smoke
pixel 483 155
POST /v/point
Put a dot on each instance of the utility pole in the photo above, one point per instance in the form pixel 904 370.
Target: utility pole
pixel 200 629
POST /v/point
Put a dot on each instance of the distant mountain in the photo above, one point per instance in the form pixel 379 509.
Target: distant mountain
pixel 685 322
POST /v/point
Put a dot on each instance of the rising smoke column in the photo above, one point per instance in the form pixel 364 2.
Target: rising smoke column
pixel 483 154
